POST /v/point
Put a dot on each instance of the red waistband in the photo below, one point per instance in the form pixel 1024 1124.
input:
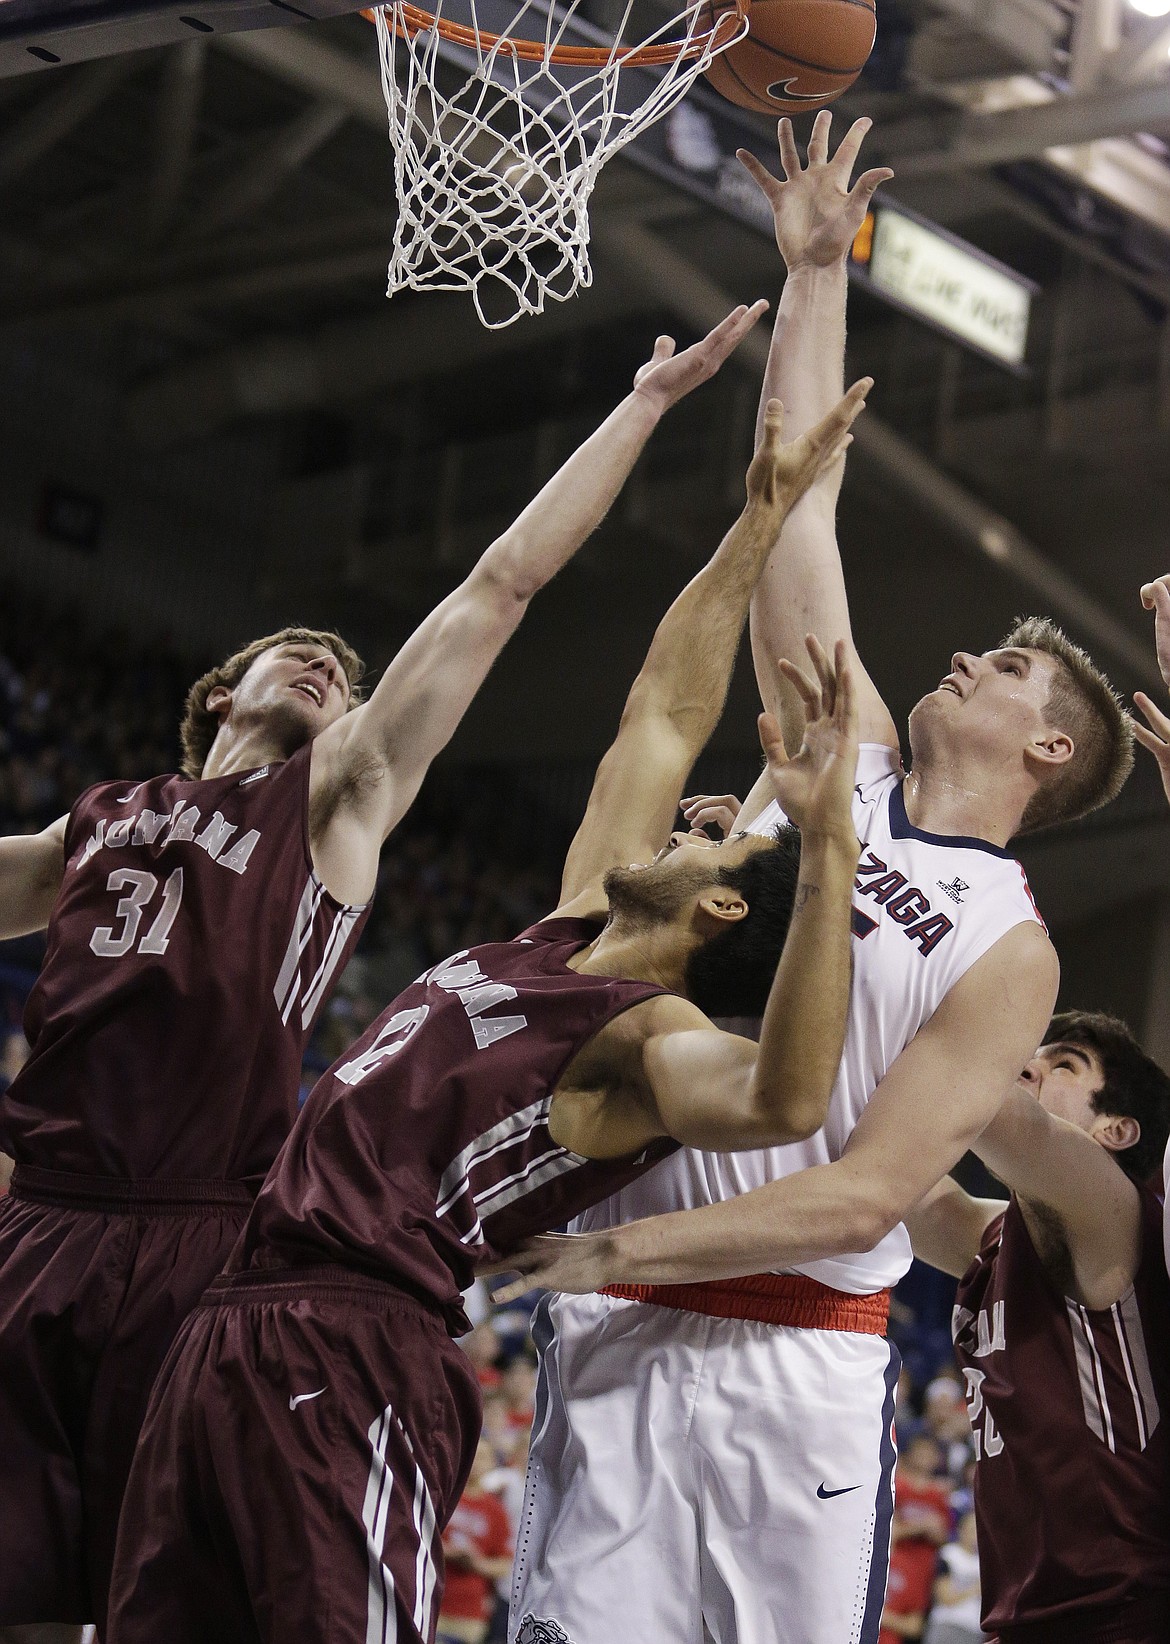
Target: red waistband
pixel 119 1195
pixel 770 1298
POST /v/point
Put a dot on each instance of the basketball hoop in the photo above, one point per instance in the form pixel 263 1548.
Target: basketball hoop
pixel 494 174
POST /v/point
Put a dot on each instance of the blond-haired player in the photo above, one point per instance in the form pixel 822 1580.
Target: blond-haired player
pixel 714 1460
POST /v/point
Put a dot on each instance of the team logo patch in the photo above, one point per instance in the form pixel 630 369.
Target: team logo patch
pixel 955 889
pixel 539 1629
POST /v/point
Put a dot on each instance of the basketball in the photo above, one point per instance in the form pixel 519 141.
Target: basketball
pixel 798 54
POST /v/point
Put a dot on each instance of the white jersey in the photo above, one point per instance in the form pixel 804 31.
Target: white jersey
pixel 927 906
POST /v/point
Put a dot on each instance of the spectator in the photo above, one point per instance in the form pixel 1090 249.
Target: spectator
pixel 13 1056
pixel 955 1617
pixel 507 1482
pixel 922 1523
pixel 518 1385
pixel 946 1420
pixel 482 1347
pixel 478 1544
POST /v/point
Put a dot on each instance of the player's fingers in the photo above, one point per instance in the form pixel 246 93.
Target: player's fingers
pixel 818 143
pixel 789 153
pixel 832 429
pixel 1158 721
pixel 1156 596
pixel 1153 744
pixel 808 692
pixel 869 182
pixel 850 145
pixel 513 1292
pixel 772 739
pixel 773 423
pixel 757 171
pixel 718 801
pixel 729 333
pixel 719 816
pixel 845 717
pixel 824 668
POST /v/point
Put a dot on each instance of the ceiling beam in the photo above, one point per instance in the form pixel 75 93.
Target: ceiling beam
pixel 180 92
pixel 410 339
pixel 53 117
pixel 1025 133
pixel 319 70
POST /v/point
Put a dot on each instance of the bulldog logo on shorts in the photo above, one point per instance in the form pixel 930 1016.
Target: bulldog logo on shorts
pixel 536 1629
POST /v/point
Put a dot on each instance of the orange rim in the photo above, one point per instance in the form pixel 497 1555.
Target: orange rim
pixel 727 25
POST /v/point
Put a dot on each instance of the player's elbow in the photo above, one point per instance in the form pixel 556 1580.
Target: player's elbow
pixel 791 1112
pixel 506 576
pixel 871 1218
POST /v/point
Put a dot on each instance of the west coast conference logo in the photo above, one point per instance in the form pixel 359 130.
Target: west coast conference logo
pixel 540 1630
pixel 955 889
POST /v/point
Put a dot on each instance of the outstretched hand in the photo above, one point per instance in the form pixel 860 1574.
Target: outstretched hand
pixel 668 377
pixel 815 211
pixel 1156 598
pixel 780 474
pixel 577 1263
pixel 1154 736
pixel 814 788
pixel 702 809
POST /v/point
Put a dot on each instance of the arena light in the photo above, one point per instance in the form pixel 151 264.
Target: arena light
pixel 1151 8
pixel 952 286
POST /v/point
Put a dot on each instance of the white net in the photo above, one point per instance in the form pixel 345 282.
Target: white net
pixel 494 173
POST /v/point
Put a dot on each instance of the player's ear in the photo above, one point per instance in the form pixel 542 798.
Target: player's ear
pixel 219 701
pixel 721 905
pixel 1051 748
pixel 1117 1131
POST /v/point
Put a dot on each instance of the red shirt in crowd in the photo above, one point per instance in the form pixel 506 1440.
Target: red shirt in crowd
pixel 914 1558
pixel 479 1524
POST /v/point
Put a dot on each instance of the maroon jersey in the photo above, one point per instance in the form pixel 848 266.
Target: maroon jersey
pixel 427 1147
pixel 1072 1478
pixel 190 950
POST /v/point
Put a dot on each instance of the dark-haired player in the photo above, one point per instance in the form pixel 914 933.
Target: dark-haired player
pixel 310 1433
pixel 196 923
pixel 1062 1330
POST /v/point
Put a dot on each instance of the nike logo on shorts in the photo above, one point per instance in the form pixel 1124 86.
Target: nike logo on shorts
pixel 827 1495
pixel 301 1397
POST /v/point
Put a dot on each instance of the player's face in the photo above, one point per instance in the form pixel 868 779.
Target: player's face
pixel 995 702
pixel 301 688
pixel 1064 1077
pixel 673 882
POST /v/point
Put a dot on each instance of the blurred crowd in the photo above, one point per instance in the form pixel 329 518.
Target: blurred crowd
pixel 933 1590
pixel 473 862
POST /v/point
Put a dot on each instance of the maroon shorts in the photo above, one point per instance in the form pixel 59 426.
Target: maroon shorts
pixel 306 1443
pixel 96 1275
pixel 1142 1619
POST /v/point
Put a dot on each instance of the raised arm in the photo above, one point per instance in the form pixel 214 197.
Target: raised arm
pixel 802 590
pixel 368 767
pixel 972 1049
pixel 947 1225
pixel 31 867
pixel 677 698
pixel 718 1090
pixel 1070 1189
pixel 1155 734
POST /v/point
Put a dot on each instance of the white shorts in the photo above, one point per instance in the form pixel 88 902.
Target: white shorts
pixel 695 1479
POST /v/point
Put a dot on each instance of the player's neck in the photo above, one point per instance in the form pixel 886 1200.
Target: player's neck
pixel 234 751
pixel 945 802
pixel 640 954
